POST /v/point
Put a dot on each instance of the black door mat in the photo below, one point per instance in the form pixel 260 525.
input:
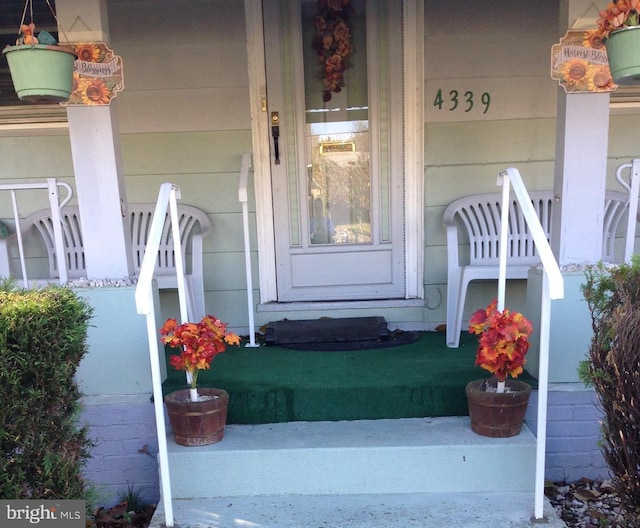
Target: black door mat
pixel 327 330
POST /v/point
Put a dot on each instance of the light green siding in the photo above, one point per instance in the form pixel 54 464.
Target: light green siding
pixel 184 118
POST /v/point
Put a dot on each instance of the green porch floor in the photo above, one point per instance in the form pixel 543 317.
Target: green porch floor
pixel 273 384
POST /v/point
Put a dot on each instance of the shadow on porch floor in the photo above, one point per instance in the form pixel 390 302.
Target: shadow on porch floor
pixel 272 384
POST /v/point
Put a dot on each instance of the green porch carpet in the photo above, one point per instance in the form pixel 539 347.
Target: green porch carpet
pixel 275 384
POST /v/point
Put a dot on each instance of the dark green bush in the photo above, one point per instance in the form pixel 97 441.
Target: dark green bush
pixel 613 368
pixel 42 445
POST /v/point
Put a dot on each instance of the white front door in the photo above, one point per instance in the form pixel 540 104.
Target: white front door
pixel 335 104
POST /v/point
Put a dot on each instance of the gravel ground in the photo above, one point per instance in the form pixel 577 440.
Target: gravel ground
pixel 586 503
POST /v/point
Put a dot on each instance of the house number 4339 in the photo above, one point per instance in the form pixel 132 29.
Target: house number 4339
pixel 460 101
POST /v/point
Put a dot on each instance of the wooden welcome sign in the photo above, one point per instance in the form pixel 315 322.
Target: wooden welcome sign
pixel 579 63
pixel 98 74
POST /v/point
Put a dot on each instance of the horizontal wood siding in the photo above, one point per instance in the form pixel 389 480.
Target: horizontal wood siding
pixel 482 50
pixel 184 118
pixel 185 65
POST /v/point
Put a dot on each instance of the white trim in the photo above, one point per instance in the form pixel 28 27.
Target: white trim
pixel 34 126
pixel 261 162
pixel 30 114
pixel 413 57
pixel 33 117
pixel 299 150
pixel 341 305
pixel 373 97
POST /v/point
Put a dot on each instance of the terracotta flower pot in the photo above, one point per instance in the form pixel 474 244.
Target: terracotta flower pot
pixel 197 423
pixel 497 415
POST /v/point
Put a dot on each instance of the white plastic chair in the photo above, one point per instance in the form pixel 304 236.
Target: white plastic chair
pixel 478 218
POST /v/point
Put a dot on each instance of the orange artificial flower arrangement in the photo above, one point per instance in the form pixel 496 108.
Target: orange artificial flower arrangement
pixel 617 15
pixel 503 341
pixel 200 343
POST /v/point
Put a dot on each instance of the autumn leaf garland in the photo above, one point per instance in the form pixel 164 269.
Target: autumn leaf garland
pixel 332 43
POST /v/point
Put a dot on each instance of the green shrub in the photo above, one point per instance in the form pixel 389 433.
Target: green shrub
pixel 42 446
pixel 613 368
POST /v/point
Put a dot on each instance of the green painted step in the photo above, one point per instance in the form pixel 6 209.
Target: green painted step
pixel 272 384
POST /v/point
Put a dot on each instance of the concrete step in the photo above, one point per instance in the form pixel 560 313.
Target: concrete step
pixel 417 455
pixel 419 510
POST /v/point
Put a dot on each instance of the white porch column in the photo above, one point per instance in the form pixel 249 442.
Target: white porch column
pixel 95 149
pixel 582 133
pixel 580 177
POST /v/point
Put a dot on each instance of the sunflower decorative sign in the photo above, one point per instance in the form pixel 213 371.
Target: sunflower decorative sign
pixel 579 62
pixel 97 75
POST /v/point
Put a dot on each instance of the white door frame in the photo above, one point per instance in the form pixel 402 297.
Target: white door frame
pixel 413 149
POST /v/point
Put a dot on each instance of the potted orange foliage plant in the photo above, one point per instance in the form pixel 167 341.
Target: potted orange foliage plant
pixel 497 406
pixel 197 416
pixel 617 27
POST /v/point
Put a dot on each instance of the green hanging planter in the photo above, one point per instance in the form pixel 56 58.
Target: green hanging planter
pixel 623 51
pixel 40 73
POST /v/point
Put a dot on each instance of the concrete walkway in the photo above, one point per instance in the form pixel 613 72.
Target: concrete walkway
pixel 424 510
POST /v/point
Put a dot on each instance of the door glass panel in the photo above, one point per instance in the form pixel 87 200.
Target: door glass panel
pixel 337 123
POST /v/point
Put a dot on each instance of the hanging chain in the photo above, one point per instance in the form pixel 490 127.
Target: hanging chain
pixel 29 4
pixel 56 19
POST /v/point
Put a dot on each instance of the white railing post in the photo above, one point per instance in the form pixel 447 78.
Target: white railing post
pixel 167 198
pixel 504 241
pixel 243 197
pixel 177 250
pixel 632 196
pixel 553 288
pixel 158 404
pixel 16 218
pixel 57 230
pixel 52 186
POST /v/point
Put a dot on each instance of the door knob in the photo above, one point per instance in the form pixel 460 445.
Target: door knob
pixel 275 133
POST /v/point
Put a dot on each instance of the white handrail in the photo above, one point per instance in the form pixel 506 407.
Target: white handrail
pixel 552 288
pixel 243 197
pixel 52 186
pixel 632 197
pixel 167 199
